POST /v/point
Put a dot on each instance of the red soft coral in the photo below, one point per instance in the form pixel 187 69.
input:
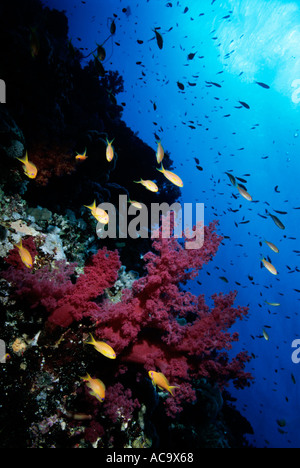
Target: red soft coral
pixel 156 324
pixel 166 329
pixel 118 404
pixel 43 286
pixel 100 273
pixel 52 160
pixel 52 288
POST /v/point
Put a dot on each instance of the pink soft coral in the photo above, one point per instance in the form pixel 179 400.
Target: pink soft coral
pixel 156 324
pixel 118 403
pixel 100 273
pixel 52 288
pixel 145 327
pixel 42 285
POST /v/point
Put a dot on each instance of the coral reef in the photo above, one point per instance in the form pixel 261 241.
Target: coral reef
pixel 153 325
pixel 144 327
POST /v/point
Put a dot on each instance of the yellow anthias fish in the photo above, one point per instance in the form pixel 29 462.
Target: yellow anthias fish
pixel 98 213
pixel 244 193
pixel 273 304
pixel 272 246
pixel 97 387
pixel 161 381
pixel 81 157
pixel 159 153
pixel 109 150
pixel 269 267
pixel 171 177
pixel 102 348
pixel 136 204
pixel 25 255
pixel 29 168
pixel 266 336
pixel 149 184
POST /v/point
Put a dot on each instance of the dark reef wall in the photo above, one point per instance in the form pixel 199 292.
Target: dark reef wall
pixel 55 108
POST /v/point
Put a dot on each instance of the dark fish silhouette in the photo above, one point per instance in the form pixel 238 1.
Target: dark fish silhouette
pixel 263 85
pixel 281 212
pixel 223 278
pixel 244 104
pixel 231 178
pixel 212 83
pixel 191 56
pixel 113 28
pixel 277 221
pixel 159 39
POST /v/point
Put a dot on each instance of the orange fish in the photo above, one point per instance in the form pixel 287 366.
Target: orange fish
pixel 272 246
pixel 161 381
pixel 244 193
pixel 81 157
pixel 25 255
pixel 265 334
pixel 29 168
pixel 109 150
pixel 159 153
pixel 136 204
pixel 171 176
pixel 98 213
pixel 97 387
pixel 273 304
pixel 102 348
pixel 149 184
pixel 269 267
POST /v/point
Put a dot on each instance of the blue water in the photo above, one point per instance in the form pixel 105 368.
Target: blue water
pixel 258 42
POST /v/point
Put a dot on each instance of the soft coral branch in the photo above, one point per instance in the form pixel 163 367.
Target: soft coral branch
pixel 100 273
